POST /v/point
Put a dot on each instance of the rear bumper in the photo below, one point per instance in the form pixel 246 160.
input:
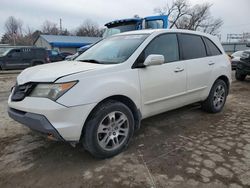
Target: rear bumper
pixel 234 65
pixel 35 122
pixel 243 68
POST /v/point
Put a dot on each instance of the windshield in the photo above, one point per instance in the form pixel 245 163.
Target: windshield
pixel 119 29
pixel 113 50
pixel 4 51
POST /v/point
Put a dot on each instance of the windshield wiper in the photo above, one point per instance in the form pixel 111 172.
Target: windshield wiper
pixel 90 61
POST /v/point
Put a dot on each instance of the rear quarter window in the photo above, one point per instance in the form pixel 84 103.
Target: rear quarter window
pixel 212 49
pixel 192 46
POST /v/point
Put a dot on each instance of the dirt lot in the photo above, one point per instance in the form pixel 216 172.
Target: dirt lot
pixel 181 148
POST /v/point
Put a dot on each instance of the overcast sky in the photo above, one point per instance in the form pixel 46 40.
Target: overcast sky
pixel 235 13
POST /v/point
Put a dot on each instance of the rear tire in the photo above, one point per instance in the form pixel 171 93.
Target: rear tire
pixel 217 97
pixel 239 76
pixel 109 129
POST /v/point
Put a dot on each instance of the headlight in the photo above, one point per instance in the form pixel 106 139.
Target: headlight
pixel 52 91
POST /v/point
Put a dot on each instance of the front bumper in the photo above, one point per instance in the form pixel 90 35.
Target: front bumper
pixel 47 116
pixel 35 122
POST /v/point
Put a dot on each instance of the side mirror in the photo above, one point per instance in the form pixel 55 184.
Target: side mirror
pixel 154 59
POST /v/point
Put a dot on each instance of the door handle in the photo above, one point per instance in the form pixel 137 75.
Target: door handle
pixel 178 69
pixel 211 63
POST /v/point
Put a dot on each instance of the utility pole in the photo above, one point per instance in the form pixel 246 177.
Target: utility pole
pixel 60 25
pixel 14 38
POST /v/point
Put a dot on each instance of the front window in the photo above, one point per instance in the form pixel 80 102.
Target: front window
pixel 113 50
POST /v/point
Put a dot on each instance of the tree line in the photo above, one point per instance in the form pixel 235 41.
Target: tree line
pixel 181 15
pixel 16 34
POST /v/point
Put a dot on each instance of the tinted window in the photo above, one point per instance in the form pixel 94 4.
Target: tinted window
pixel 192 46
pixel 15 53
pixel 166 45
pixel 212 49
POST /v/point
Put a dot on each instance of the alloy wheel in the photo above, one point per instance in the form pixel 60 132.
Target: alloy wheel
pixel 113 130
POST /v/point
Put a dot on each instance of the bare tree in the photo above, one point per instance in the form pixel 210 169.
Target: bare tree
pixel 89 28
pixel 50 28
pixel 13 30
pixel 184 16
pixel 174 11
pixel 13 25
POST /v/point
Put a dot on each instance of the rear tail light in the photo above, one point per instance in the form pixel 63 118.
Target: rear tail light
pixel 47 60
pixel 230 59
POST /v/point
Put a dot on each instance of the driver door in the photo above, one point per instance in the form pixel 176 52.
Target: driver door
pixel 162 86
pixel 13 59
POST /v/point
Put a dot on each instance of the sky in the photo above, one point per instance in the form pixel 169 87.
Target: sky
pixel 235 14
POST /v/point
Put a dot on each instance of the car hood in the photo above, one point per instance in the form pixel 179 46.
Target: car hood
pixel 52 71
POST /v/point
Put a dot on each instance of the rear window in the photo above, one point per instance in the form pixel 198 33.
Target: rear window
pixel 212 49
pixel 192 46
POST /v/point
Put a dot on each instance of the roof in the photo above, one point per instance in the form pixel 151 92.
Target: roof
pixel 122 21
pixel 69 41
pixel 150 31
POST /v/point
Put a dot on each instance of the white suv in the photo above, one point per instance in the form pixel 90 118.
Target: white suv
pixel 100 98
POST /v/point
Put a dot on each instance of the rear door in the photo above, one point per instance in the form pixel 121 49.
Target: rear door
pixel 199 67
pixel 155 22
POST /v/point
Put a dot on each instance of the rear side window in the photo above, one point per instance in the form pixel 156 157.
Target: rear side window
pixel 166 45
pixel 192 46
pixel 212 49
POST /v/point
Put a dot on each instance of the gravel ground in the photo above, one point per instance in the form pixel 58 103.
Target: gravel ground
pixel 182 148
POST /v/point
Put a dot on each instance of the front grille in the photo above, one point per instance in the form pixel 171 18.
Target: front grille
pixel 21 91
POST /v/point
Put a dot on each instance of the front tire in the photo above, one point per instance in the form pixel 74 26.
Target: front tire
pixel 239 76
pixel 109 129
pixel 217 97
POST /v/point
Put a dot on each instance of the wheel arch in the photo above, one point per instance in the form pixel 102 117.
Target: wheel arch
pixel 119 98
pixel 226 80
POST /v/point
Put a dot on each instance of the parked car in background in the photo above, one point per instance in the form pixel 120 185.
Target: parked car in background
pixel 243 66
pixel 21 58
pixel 79 52
pixel 100 98
pixel 65 54
pixel 235 58
pixel 55 55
